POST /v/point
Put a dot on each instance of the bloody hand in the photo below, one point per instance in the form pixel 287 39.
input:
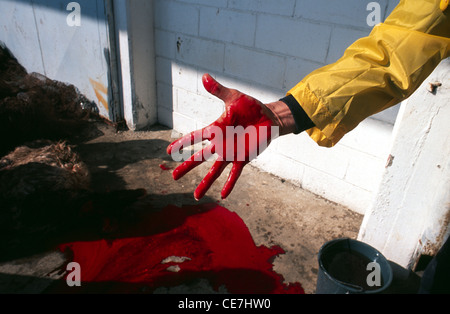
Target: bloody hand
pixel 241 133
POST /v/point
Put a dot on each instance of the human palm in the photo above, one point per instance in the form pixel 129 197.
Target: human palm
pixel 240 134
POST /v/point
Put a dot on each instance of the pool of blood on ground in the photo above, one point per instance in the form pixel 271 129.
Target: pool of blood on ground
pixel 216 241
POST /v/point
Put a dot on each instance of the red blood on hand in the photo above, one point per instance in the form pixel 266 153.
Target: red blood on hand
pixel 241 111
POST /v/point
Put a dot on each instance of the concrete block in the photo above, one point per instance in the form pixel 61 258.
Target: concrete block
pixel 293 37
pixel 344 12
pixel 333 161
pixel 183 124
pixel 316 181
pixel 341 38
pixel 198 108
pixel 388 116
pixel 184 76
pixel 371 137
pixel 164 70
pixel 176 16
pixel 206 54
pixel 364 171
pixel 215 3
pixel 297 69
pixel 165 117
pixel 165 44
pixel 390 7
pixel 280 166
pixel 280 7
pixel 226 25
pixel 336 190
pixel 166 96
pixel 252 65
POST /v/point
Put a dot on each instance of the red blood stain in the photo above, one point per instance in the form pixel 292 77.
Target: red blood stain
pixel 241 111
pixel 215 239
pixel 164 167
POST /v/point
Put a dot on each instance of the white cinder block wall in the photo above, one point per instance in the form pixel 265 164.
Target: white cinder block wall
pixel 263 48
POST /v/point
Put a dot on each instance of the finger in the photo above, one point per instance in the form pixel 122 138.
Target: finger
pixel 215 172
pixel 215 88
pixel 235 172
pixel 193 161
pixel 189 139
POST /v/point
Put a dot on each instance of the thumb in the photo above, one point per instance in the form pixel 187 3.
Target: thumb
pixel 215 88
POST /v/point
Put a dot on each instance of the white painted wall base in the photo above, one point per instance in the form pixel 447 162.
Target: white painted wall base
pixel 136 55
pixel 411 212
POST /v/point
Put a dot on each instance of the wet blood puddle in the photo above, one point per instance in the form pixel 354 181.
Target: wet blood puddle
pixel 175 246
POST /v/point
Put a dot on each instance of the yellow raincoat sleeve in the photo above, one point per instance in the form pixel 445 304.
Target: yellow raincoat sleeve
pixel 375 72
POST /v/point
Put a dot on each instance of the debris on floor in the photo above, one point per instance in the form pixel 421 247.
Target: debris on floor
pixel 34 107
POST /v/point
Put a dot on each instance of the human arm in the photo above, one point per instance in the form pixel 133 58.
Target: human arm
pixel 377 71
pixel 259 124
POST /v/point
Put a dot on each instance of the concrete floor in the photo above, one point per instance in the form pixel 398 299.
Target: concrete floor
pixel 275 211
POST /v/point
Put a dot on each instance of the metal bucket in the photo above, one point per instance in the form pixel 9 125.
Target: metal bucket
pixel 348 266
